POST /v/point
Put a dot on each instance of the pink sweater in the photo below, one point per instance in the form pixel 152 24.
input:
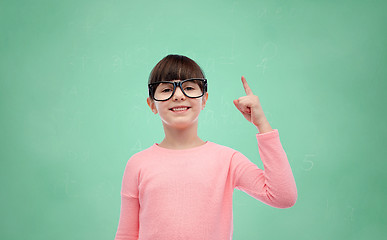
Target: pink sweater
pixel 187 194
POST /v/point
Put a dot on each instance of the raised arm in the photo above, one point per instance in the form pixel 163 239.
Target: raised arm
pixel 275 184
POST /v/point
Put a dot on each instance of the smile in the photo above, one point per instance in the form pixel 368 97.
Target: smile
pixel 179 109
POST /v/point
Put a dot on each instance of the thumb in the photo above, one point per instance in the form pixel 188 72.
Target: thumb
pixel 236 103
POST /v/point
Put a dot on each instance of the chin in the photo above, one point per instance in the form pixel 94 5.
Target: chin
pixel 180 125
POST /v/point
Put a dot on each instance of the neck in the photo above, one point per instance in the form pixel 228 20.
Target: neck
pixel 183 138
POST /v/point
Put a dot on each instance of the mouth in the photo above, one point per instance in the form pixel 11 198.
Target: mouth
pixel 179 109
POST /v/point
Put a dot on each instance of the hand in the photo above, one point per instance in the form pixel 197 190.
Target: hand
pixel 250 106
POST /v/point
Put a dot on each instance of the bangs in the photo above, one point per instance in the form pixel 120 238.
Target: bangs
pixel 175 67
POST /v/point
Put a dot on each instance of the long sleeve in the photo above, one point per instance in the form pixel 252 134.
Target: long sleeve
pixel 275 185
pixel 128 223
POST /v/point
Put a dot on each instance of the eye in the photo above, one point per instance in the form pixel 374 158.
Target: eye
pixel 166 90
pixel 189 88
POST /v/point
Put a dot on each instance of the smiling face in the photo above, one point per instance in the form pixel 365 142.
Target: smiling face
pixel 180 111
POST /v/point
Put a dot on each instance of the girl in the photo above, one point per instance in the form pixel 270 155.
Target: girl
pixel 182 187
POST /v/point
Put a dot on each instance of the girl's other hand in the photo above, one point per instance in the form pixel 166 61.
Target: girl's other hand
pixel 250 106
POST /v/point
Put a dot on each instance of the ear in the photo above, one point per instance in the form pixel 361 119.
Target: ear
pixel 204 99
pixel 152 105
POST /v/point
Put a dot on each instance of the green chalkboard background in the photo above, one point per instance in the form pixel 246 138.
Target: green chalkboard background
pixel 73 108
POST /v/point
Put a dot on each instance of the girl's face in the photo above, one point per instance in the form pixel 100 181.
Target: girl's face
pixel 180 111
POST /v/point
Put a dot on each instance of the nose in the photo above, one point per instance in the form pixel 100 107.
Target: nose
pixel 178 95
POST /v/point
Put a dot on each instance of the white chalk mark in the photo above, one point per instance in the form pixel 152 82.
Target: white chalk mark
pixel 263 65
pixel 262 12
pixel 73 90
pixel 308 160
pixel 67 182
pixel 137 146
pixel 278 11
pixel 117 62
pixel 351 213
pixel 84 61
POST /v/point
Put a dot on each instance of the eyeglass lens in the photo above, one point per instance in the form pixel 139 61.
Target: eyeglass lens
pixel 191 88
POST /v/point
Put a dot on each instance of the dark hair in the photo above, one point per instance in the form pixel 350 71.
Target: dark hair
pixel 175 67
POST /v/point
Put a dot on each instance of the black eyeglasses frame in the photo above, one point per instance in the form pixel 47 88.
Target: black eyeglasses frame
pixel 175 85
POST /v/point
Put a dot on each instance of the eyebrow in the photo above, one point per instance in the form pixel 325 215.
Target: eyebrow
pixel 171 81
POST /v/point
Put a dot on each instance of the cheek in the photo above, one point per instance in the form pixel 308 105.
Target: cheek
pixel 161 107
pixel 199 105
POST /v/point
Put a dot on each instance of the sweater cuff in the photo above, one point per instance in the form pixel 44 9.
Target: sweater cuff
pixel 268 135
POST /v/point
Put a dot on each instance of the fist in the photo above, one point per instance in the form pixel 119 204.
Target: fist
pixel 250 106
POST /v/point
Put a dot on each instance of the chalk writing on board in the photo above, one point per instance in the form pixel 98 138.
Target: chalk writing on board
pixel 73 90
pixel 277 12
pixel 87 26
pixel 263 65
pixel 269 51
pixel 68 181
pixel 137 146
pixel 308 163
pixel 351 211
pixel 262 12
pixel 117 63
pixel 84 62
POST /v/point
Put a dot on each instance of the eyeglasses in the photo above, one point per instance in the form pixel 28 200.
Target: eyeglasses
pixel 164 90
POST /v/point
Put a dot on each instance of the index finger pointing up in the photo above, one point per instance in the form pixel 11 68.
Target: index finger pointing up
pixel 246 86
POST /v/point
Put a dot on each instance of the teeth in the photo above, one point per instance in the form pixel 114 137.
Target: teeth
pixel 179 109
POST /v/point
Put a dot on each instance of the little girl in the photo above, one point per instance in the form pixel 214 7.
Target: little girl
pixel 182 188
